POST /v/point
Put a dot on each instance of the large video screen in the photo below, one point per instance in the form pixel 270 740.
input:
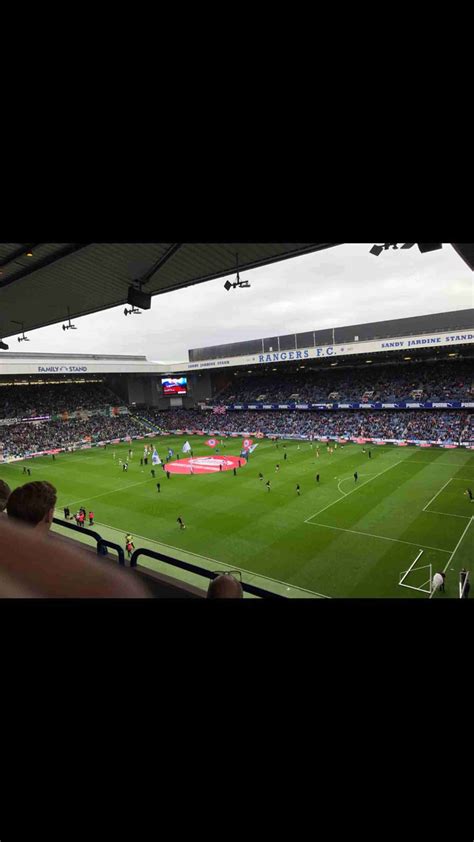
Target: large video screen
pixel 174 385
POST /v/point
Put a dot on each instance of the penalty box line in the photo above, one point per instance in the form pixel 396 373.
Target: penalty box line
pixel 453 553
pixel 436 495
pixel 446 514
pixel 457 545
pixel 400 462
pixel 380 537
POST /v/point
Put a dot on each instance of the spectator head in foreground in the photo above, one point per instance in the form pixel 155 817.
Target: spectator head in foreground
pixel 5 492
pixel 225 587
pixel 39 564
pixel 33 503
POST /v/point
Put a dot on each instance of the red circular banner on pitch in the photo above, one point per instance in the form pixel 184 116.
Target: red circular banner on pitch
pixel 204 464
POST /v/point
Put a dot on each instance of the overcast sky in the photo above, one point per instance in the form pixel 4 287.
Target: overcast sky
pixel 340 286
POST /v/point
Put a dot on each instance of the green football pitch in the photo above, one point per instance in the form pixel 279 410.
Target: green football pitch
pixel 339 538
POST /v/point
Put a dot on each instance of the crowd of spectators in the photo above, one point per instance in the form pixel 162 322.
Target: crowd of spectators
pixel 437 382
pixel 430 425
pixel 43 399
pixel 18 439
pixel 433 425
pixel 442 382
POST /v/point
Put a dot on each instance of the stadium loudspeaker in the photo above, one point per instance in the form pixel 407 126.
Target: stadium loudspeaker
pixel 3 346
pixel 466 251
pixel 137 298
pixel 377 250
pixel 424 247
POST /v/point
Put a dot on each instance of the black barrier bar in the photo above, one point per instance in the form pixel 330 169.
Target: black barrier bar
pixel 102 543
pixel 118 549
pixel 200 571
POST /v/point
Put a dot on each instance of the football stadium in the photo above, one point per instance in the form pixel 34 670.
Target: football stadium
pixel 331 464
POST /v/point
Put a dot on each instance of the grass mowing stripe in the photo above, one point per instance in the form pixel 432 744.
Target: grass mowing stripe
pixel 215 561
pixel 436 464
pixel 382 537
pixel 354 489
pixel 104 494
pixel 438 492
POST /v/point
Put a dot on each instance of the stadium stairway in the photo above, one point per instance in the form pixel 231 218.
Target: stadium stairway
pixel 148 426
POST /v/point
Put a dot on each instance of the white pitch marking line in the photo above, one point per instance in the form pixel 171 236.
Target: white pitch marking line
pixel 382 537
pixel 215 561
pixel 453 553
pixel 354 489
pixel 438 492
pixel 457 545
pixel 104 494
pixel 447 514
pixel 340 489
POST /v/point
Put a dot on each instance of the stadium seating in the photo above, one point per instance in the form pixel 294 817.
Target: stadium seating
pixel 43 399
pixel 49 435
pixel 443 381
pixel 440 382
pixel 417 424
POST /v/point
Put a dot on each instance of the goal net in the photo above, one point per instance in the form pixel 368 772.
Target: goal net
pixel 417 578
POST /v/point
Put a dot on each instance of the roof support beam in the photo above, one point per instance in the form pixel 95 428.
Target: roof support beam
pixel 159 263
pixel 21 252
pixel 40 264
pixel 245 267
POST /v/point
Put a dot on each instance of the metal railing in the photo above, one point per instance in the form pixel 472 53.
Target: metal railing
pixel 102 543
pixel 200 571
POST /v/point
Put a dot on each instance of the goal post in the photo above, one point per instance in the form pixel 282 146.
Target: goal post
pixel 424 587
pixel 463 580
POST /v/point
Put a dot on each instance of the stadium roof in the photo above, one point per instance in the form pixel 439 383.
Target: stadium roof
pixel 40 281
pixel 452 320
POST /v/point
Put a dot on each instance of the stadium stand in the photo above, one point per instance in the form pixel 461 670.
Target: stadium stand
pixel 440 381
pixel 423 424
pixel 39 399
pixel 34 437
pixel 51 407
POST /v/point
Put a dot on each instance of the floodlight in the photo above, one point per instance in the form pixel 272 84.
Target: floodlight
pixel 238 282
pixel 69 326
